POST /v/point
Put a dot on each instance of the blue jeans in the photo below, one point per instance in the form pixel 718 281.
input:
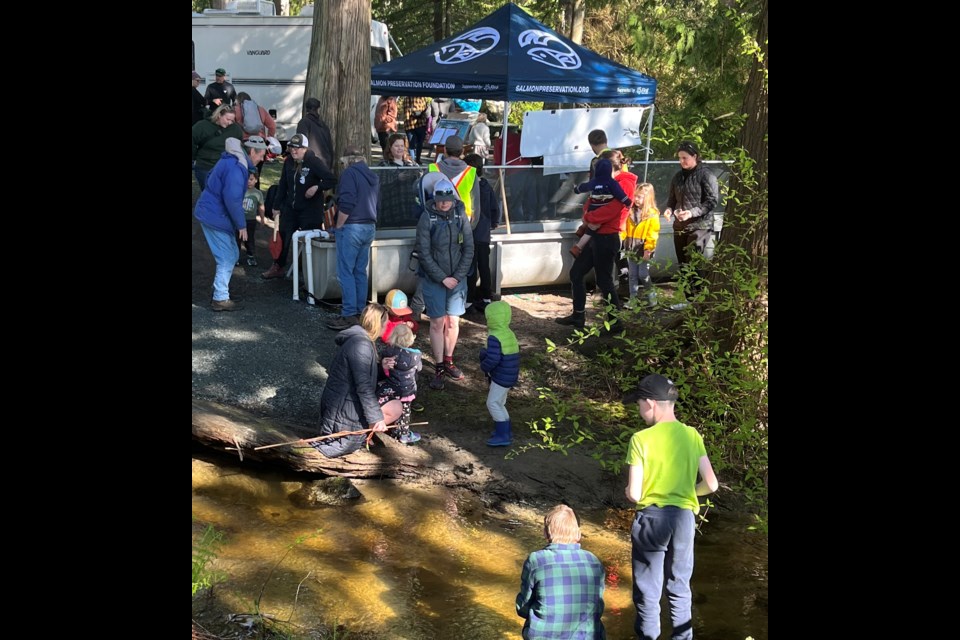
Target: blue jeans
pixel 224 248
pixel 353 256
pixel 638 273
pixel 662 540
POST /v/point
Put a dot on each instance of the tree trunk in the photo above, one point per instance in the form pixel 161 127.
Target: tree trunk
pixel 745 223
pixel 222 428
pixel 437 20
pixel 338 73
pixel 578 8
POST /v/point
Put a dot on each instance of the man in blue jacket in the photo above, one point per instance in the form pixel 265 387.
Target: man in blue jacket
pixel 358 196
pixel 220 212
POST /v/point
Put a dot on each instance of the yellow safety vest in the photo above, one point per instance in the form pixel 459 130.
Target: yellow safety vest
pixel 463 181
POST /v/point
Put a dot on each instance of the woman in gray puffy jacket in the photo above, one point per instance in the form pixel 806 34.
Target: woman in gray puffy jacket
pixel 349 401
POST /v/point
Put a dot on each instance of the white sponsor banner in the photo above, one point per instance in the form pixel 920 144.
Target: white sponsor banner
pixel 563 132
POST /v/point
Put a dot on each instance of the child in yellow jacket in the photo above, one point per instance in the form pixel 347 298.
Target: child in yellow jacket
pixel 640 235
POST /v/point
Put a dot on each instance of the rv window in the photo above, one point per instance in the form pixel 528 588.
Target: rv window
pixel 377 55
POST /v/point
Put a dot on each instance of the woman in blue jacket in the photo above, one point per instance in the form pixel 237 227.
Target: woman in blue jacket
pixel 220 212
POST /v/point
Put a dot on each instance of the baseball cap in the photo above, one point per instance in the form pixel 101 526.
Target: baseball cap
pixel 453 145
pixel 444 191
pixel 396 301
pixel 255 142
pixel 688 147
pixel 221 71
pixel 298 142
pixel 653 387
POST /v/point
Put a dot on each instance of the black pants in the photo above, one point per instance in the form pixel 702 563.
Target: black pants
pixel 251 243
pixel 703 242
pixel 481 268
pixel 601 254
pixel 291 221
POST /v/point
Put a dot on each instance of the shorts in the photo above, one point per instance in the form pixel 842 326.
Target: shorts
pixel 440 301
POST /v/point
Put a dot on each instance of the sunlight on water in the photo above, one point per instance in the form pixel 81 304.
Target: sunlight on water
pixel 426 563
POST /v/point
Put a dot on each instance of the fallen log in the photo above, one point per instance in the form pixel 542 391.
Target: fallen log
pixel 226 428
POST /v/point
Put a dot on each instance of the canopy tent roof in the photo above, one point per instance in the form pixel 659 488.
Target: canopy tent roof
pixel 510 56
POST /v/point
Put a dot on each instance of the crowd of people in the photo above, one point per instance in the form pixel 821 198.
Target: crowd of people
pixel 371 384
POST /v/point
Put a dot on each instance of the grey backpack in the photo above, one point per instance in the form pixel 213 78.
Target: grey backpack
pixel 252 123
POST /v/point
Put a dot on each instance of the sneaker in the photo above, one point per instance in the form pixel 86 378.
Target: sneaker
pixel 575 251
pixel 224 305
pixel 251 261
pixel 575 319
pixel 275 271
pixel 452 370
pixel 342 322
pixel 417 407
pixel 409 437
pixel 437 382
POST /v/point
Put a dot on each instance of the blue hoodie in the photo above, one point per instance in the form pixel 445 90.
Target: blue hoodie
pixel 221 204
pixel 358 194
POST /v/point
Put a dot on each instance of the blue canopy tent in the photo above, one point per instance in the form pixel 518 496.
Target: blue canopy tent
pixel 511 56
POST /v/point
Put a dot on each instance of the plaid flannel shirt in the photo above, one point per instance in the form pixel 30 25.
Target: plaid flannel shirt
pixel 561 594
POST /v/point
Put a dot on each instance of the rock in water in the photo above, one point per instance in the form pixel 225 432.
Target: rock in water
pixel 329 492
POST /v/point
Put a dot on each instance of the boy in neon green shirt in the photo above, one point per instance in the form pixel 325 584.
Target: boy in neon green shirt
pixel 664 461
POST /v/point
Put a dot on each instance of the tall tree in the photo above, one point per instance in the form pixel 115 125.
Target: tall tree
pixel 338 73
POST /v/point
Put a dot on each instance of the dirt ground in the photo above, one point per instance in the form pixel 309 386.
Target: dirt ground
pixel 270 359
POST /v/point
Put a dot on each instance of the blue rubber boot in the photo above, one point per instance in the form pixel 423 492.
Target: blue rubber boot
pixel 502 436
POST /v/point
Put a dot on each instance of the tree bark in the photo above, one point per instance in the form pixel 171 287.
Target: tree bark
pixel 222 428
pixel 338 73
pixel 437 20
pixel 578 9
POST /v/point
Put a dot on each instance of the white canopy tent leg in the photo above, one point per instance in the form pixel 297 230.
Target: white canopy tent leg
pixel 503 160
pixel 646 160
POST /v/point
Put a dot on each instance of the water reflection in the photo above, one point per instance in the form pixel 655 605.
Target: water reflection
pixel 428 563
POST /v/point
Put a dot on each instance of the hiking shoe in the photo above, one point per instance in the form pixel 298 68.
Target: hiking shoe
pixel 575 319
pixel 409 437
pixel 417 407
pixel 453 371
pixel 437 382
pixel 275 271
pixel 224 305
pixel 251 261
pixel 341 322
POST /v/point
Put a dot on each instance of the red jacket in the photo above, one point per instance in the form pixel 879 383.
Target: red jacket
pixel 613 216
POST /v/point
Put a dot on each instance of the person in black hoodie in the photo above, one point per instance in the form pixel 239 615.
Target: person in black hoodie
pixel 303 179
pixel 199 102
pixel 488 219
pixel 358 197
pixel 317 132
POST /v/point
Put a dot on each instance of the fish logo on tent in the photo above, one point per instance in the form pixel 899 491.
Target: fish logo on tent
pixel 468 46
pixel 552 51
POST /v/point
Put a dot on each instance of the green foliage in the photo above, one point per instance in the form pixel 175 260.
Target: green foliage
pixel 205 551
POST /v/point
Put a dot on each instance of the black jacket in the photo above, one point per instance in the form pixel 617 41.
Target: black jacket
pixel 489 213
pixel 319 139
pixel 295 181
pixel 404 374
pixel 349 400
pixel 224 91
pixel 199 107
pixel 697 190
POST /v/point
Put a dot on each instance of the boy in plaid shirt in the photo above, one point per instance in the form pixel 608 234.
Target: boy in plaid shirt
pixel 561 587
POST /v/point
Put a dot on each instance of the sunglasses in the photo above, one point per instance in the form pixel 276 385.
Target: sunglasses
pixel 442 193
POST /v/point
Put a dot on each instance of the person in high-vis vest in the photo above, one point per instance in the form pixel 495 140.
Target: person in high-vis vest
pixel 463 176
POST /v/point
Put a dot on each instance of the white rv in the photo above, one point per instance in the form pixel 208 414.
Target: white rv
pixel 266 55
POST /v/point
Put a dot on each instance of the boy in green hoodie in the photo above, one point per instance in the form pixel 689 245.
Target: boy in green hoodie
pixel 500 361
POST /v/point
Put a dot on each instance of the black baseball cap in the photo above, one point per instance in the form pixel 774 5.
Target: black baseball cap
pixel 653 387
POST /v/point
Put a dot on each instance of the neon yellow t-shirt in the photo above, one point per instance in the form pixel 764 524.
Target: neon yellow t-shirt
pixel 670 454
